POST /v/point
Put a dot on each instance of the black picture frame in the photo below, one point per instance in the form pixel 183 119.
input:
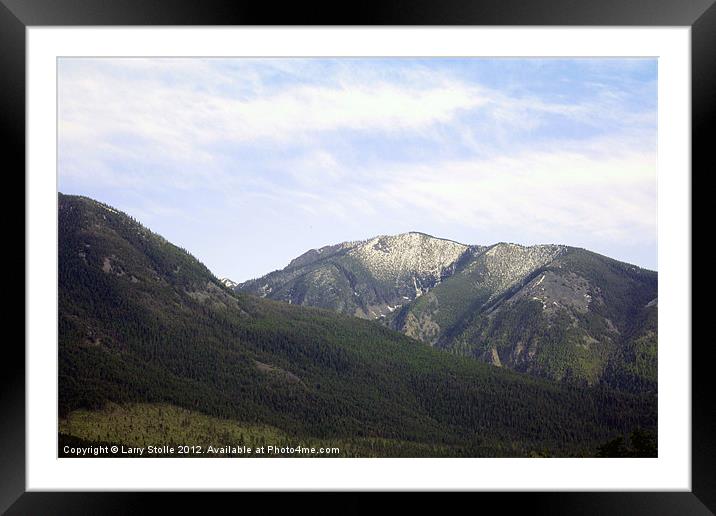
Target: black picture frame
pixel 17 15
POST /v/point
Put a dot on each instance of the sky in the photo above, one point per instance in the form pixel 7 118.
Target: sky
pixel 248 163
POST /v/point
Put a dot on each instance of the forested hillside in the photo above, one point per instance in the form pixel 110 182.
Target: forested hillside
pixel 144 324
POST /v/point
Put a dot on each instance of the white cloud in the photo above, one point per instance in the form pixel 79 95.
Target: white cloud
pixel 179 111
pixel 181 119
pixel 551 195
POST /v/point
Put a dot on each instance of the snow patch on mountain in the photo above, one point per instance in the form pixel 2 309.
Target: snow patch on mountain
pixel 503 265
pixel 410 254
pixel 228 283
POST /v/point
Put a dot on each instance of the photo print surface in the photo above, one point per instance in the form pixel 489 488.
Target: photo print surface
pixel 357 257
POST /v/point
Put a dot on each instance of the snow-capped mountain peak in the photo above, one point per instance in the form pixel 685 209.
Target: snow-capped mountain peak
pixel 408 255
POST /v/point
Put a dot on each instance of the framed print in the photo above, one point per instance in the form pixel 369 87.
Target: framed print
pixel 443 249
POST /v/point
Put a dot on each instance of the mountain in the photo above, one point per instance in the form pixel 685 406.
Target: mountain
pixel 553 311
pixel 369 278
pixel 153 349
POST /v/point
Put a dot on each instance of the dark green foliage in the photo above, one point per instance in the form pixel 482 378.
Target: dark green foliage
pixel 141 320
pixel 641 443
pixel 613 448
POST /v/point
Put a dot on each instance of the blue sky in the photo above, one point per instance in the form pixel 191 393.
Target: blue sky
pixel 248 163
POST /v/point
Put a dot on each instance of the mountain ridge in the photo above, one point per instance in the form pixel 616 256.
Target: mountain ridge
pixel 456 297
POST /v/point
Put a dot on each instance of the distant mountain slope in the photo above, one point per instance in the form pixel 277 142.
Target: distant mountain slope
pixel 557 312
pixel 144 325
pixel 549 310
pixel 368 279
